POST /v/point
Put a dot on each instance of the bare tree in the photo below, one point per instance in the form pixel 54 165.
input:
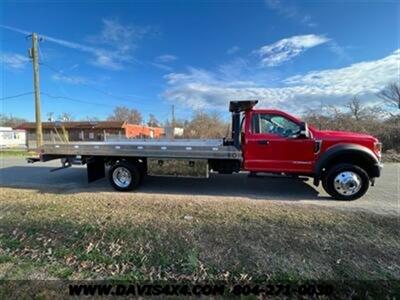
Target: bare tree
pixel 334 111
pixel 206 125
pixel 65 117
pixel 11 121
pixel 375 120
pixel 153 122
pixel 50 117
pixel 391 94
pixel 317 118
pixel 356 109
pixel 123 113
pixel 91 119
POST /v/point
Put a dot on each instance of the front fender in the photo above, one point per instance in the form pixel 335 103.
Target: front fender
pixel 348 150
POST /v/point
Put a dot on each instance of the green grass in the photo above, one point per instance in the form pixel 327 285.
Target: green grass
pixel 147 238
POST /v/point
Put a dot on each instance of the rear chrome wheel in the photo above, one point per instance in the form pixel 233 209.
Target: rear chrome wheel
pixel 124 176
pixel 346 182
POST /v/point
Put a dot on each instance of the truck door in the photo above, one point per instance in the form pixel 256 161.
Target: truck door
pixel 271 145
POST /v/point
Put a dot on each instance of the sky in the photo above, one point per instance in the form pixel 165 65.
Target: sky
pixel 196 55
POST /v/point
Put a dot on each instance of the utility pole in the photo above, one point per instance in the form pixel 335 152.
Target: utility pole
pixel 173 116
pixel 36 85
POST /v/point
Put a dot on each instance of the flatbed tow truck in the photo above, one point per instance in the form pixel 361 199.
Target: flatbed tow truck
pixel 262 140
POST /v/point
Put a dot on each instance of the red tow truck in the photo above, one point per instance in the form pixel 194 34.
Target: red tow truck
pixel 262 140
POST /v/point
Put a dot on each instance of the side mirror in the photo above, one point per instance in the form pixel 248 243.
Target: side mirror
pixel 303 133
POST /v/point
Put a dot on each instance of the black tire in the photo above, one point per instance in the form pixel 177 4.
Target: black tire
pixel 325 184
pixel 329 181
pixel 143 172
pixel 133 172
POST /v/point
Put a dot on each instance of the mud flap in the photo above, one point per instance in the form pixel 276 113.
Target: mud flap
pixel 95 169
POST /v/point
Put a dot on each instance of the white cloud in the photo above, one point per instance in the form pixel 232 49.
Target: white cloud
pixel 162 62
pixel 232 50
pixel 121 41
pixel 289 10
pixel 76 80
pixel 340 51
pixel 13 60
pixel 211 90
pixel 120 35
pixel 166 58
pixel 357 78
pixel 107 61
pixel 15 29
pixel 163 67
pixel 112 48
pixel 104 58
pixel 101 57
pixel 288 48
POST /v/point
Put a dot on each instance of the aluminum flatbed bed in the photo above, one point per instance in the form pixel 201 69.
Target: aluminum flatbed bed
pixel 128 162
pixel 163 148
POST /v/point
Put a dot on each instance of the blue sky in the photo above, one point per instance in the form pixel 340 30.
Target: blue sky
pixel 290 55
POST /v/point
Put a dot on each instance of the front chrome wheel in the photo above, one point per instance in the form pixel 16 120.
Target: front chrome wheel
pixel 122 177
pixel 347 183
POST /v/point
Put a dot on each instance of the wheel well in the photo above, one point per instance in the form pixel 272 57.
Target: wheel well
pixel 225 166
pixel 359 159
pixel 140 162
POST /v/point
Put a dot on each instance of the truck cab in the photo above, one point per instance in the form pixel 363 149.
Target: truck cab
pixel 274 141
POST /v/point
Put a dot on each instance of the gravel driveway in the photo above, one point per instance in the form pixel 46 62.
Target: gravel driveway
pixel 383 198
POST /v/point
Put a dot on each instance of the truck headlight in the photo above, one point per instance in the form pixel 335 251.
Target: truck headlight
pixel 378 148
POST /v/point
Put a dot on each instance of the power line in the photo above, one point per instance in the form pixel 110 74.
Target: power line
pixel 41 55
pixel 16 96
pixel 163 115
pixel 65 98
pixel 88 102
pixel 76 100
pixel 39 51
pixel 122 98
pixel 62 73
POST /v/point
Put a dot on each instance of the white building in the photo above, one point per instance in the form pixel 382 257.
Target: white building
pixel 12 138
pixel 173 132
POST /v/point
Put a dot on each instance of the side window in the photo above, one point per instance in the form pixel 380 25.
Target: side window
pixel 274 124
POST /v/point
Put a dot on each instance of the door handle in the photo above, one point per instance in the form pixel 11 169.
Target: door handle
pixel 263 142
